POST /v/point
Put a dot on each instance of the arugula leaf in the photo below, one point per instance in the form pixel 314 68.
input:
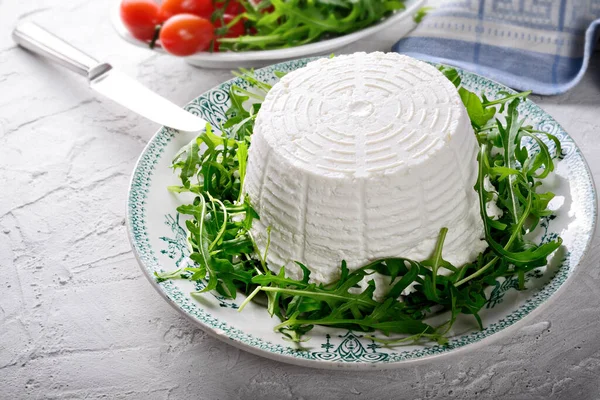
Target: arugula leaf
pixel 451 74
pixel 421 13
pixel 478 114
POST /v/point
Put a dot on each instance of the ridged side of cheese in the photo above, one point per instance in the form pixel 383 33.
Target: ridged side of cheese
pixel 362 157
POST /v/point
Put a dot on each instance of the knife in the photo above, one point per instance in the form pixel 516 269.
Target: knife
pixel 106 80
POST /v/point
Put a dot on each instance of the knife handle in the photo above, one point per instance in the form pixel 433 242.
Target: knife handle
pixel 38 40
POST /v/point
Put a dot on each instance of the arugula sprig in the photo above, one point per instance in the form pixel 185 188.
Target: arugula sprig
pixel 286 23
pixel 513 158
pixel 516 173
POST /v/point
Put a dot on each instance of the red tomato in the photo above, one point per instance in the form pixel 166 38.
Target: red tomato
pixel 186 34
pixel 201 8
pixel 233 7
pixel 140 17
pixel 238 29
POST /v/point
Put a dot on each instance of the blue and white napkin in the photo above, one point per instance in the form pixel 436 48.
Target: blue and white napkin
pixel 539 45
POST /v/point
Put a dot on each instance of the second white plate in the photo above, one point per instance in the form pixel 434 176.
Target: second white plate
pixel 255 58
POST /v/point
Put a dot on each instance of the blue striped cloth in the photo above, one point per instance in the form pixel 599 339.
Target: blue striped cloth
pixel 539 45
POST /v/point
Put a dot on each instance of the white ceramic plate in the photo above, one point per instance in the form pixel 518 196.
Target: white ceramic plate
pixel 158 239
pixel 255 58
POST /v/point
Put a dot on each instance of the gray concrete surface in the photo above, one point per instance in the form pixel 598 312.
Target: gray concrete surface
pixel 78 319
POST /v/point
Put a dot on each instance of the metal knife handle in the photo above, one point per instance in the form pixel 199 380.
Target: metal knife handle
pixel 40 41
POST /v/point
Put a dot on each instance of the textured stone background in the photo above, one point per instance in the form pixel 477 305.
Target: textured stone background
pixel 78 319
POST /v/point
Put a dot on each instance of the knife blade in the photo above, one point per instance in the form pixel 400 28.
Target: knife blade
pixel 133 95
pixel 106 80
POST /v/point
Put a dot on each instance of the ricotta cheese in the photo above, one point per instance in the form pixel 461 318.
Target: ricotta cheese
pixel 362 157
pixel 491 207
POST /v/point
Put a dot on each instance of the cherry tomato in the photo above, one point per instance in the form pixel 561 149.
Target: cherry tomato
pixel 233 7
pixel 238 29
pixel 140 17
pixel 201 8
pixel 186 34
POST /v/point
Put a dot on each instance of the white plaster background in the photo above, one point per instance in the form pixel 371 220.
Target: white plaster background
pixel 78 319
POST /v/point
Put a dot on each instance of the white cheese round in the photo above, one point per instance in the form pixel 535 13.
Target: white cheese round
pixel 362 157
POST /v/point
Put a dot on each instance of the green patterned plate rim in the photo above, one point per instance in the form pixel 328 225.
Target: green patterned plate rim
pixel 152 226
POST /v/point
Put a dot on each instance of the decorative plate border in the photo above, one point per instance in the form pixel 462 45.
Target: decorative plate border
pixel 215 101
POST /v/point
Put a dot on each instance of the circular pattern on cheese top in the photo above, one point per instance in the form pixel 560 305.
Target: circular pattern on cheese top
pixel 360 114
